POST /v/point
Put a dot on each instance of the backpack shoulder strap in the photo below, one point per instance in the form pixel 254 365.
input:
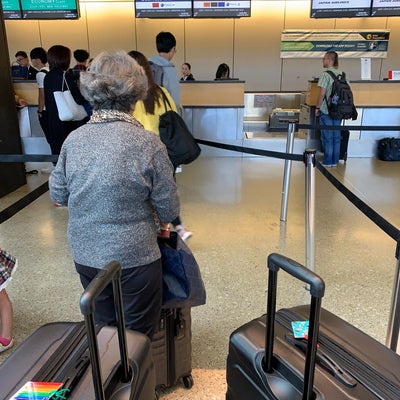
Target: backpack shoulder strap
pixel 332 75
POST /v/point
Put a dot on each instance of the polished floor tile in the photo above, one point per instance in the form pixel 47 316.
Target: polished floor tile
pixel 232 205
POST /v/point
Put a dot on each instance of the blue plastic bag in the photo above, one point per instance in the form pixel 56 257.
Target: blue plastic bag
pixel 182 283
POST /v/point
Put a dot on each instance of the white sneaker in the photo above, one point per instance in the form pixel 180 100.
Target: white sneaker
pixel 48 170
pixel 184 234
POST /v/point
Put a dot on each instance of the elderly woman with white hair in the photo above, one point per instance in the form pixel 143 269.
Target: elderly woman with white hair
pixel 111 174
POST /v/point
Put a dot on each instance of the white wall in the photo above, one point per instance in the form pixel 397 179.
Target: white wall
pixel 251 46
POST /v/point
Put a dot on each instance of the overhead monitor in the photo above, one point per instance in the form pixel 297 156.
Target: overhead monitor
pixel 385 8
pixel 163 9
pixel 221 9
pixel 340 8
pixel 50 9
pixel 11 9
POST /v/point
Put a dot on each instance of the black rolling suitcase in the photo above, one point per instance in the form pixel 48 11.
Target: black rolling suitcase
pixel 265 361
pixel 91 362
pixel 172 348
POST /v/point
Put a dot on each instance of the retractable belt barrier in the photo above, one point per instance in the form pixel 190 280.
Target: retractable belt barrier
pixel 308 157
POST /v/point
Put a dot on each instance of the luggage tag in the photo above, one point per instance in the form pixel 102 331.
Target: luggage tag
pixel 300 329
pixel 41 391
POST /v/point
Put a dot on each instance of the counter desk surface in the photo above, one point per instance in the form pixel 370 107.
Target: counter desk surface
pixel 210 94
pixel 27 90
pixel 367 93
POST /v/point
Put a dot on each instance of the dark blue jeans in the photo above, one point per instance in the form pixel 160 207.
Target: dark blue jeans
pixel 141 296
pixel 330 140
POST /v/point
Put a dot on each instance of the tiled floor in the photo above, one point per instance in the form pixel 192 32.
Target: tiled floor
pixel 232 205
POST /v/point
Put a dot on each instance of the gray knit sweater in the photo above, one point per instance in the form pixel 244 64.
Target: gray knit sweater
pixel 109 174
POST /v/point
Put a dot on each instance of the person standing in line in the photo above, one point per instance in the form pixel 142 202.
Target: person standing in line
pixel 59 58
pixel 148 111
pixel 6 319
pixel 330 138
pixel 166 47
pixel 8 265
pixel 186 73
pixel 39 60
pixel 81 56
pixel 23 61
pixel 112 174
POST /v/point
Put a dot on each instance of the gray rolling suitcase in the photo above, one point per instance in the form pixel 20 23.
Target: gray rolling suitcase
pixel 92 362
pixel 172 348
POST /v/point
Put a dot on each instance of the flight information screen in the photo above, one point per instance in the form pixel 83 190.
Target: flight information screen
pixel 385 8
pixel 340 8
pixel 50 9
pixel 11 9
pixel 163 9
pixel 221 9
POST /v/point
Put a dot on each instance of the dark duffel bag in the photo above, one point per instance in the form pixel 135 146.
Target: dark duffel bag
pixel 389 149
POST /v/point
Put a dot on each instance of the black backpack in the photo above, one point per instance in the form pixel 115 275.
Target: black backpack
pixel 158 73
pixel 341 104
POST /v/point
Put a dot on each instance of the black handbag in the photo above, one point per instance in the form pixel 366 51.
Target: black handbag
pixel 174 133
pixel 182 283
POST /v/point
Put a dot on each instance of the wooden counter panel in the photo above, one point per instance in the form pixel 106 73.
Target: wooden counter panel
pixel 366 94
pixel 28 91
pixel 377 94
pixel 212 94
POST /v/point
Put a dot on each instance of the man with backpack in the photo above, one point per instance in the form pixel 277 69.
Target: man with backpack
pixel 163 69
pixel 335 102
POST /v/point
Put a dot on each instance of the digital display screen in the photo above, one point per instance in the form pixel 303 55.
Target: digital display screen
pixel 11 9
pixel 163 9
pixel 340 8
pixel 385 8
pixel 50 9
pixel 221 9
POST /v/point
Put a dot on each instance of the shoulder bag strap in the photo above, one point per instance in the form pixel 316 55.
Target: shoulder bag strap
pixel 64 81
pixel 165 100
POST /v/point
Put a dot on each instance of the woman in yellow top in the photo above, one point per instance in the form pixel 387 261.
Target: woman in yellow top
pixel 148 111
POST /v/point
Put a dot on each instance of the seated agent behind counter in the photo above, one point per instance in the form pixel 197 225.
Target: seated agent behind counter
pixel 111 173
pixel 223 72
pixel 186 73
pixel 23 61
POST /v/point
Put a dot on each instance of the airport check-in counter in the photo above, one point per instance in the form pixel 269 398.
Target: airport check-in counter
pixel 32 136
pixel 378 104
pixel 213 111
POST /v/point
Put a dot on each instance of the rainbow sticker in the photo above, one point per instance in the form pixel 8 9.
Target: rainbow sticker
pixel 37 391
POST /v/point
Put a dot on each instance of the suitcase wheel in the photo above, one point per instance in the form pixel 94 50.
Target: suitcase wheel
pixel 188 381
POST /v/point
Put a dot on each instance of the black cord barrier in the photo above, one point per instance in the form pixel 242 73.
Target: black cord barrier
pixel 23 202
pixel 249 150
pixel 377 219
pixel 387 227
pixel 28 158
pixel 348 127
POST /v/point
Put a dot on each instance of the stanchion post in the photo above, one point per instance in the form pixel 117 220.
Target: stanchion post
pixel 309 160
pixel 288 168
pixel 392 339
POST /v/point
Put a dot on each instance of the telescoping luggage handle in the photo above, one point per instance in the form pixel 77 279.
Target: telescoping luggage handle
pixel 317 290
pixel 112 272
